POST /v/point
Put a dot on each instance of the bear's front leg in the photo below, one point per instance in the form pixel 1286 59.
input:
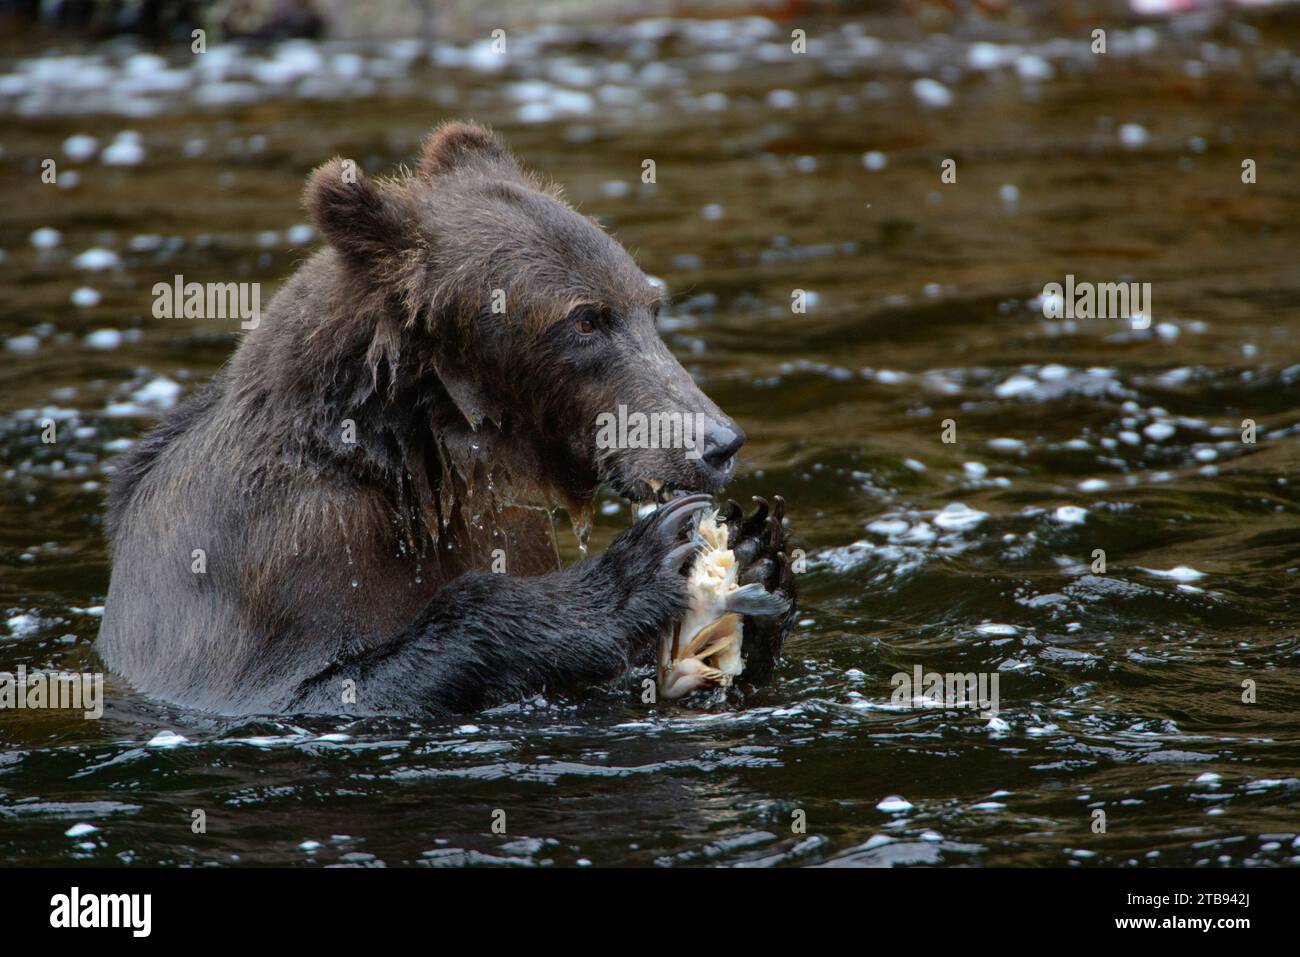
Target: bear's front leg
pixel 486 639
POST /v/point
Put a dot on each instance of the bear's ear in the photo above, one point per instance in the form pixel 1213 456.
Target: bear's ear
pixel 358 217
pixel 456 145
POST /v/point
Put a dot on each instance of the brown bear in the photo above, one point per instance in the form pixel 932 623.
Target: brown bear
pixel 323 527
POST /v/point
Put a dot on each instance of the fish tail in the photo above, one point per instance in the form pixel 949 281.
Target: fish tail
pixel 754 599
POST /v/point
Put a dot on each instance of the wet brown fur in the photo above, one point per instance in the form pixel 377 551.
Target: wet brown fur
pixel 467 425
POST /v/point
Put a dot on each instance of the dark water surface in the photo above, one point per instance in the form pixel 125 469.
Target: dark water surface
pixel 1120 691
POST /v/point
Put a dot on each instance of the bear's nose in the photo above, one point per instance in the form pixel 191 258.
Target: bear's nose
pixel 721 443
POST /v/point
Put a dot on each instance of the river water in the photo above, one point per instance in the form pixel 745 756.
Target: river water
pixel 1120 691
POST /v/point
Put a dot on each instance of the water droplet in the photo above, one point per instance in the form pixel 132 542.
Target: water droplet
pixel 581 521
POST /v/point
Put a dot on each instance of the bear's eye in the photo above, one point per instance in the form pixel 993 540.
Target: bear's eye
pixel 586 322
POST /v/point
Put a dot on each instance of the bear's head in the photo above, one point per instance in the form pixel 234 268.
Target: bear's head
pixel 518 324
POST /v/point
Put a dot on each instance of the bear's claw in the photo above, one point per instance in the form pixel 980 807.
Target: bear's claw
pixel 679 554
pixel 759 542
pixel 674 516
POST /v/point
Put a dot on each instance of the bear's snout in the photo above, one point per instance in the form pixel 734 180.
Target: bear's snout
pixel 722 440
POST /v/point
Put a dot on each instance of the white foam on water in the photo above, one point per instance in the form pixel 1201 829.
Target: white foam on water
pixel 1033 68
pixel 125 150
pixel 85 297
pixel 958 516
pixel 1181 573
pixel 1053 372
pixel 889 527
pixel 891 376
pixel 932 93
pixel 1159 431
pixel 97 260
pixel 1006 445
pixel 990 56
pixel 167 739
pixel 160 392
pixel 1016 385
pixel 45 238
pixel 80 147
pixel 20 626
pixel 104 339
pixel 1070 515
pixel 894 804
pixel 1133 136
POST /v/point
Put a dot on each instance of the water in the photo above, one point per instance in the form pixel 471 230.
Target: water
pixel 1119 691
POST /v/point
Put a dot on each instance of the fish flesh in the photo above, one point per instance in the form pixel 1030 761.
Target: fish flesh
pixel 704 650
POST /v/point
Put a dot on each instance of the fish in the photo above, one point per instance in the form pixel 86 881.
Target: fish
pixel 704 651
